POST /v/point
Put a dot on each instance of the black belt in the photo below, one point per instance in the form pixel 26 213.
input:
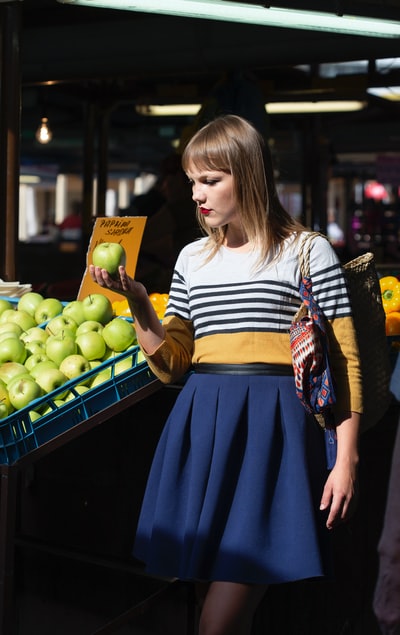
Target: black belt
pixel 244 369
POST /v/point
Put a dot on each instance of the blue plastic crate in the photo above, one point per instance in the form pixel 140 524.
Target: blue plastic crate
pixel 20 434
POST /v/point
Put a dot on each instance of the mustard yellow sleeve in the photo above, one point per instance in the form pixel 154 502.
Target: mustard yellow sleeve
pixel 171 360
pixel 345 361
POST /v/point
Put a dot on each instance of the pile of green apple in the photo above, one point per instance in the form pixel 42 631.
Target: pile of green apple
pixel 44 343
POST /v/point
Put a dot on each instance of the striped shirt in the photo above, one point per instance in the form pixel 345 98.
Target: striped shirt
pixel 229 309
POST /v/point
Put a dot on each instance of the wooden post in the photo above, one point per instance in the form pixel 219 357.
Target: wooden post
pixel 10 104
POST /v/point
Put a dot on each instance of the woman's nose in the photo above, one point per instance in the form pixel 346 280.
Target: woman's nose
pixel 197 194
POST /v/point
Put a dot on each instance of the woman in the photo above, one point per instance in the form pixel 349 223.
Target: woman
pixel 239 495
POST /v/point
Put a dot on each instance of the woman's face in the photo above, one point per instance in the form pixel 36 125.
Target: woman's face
pixel 213 191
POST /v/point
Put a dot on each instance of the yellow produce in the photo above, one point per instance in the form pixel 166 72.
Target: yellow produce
pixel 390 290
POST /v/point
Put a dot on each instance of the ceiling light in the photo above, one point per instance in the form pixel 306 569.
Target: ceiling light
pixel 168 110
pixel 253 14
pixel 43 133
pixel 298 107
pixel 392 93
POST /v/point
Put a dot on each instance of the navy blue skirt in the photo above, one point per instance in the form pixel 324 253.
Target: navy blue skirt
pixel 235 486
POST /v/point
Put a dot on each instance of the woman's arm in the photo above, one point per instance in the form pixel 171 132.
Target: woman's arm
pixel 340 487
pixel 149 331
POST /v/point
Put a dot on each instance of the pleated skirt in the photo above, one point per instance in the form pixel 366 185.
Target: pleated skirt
pixel 235 486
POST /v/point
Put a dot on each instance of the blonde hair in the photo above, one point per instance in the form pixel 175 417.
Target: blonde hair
pixel 231 144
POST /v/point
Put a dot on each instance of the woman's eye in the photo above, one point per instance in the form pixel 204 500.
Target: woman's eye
pixel 211 181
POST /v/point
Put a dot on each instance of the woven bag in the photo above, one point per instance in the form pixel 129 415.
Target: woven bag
pixel 369 322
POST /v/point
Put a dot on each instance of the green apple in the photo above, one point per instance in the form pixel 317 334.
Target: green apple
pixel 8 334
pixel 5 305
pixel 109 256
pixel 34 334
pixel 74 365
pixel 22 390
pixel 97 307
pixel 22 318
pixel 140 357
pixel 6 407
pixel 91 345
pixel 74 309
pixel 50 379
pixel 12 350
pixel 47 309
pixel 34 415
pixel 123 365
pixel 9 370
pixel 56 403
pixel 61 323
pixel 77 390
pixel 37 368
pixel 29 302
pixel 101 377
pixel 119 334
pixel 35 347
pixel 34 359
pixel 60 346
pixel 89 325
pixel 11 327
pixel 6 315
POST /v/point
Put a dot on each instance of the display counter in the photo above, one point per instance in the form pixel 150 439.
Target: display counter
pixel 68 509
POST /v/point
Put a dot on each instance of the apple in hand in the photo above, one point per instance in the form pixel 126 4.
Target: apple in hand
pixel 97 307
pixel 9 370
pixel 29 302
pixel 60 346
pixel 74 366
pixel 12 350
pixel 22 390
pixel 91 345
pixel 47 309
pixel 119 334
pixel 61 323
pixel 74 309
pixel 109 256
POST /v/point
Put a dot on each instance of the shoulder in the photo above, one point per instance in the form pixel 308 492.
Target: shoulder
pixel 190 255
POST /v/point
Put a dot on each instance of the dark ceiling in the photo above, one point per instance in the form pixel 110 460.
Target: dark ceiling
pixel 75 58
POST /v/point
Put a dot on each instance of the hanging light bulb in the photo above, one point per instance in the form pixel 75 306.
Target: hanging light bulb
pixel 43 133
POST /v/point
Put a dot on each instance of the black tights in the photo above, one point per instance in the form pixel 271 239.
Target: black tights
pixel 228 608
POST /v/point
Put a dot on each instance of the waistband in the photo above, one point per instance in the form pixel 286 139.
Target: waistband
pixel 244 369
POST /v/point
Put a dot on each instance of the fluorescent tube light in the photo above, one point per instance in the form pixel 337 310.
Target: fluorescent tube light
pixel 168 110
pixel 272 108
pixel 253 14
pixel 298 107
pixel 392 93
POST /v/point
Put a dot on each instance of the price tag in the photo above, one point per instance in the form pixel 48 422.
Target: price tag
pixel 126 230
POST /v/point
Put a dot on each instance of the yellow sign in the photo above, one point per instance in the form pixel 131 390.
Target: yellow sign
pixel 126 230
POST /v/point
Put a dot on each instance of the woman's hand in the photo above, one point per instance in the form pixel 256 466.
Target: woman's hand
pixel 341 486
pixel 149 331
pixel 123 284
